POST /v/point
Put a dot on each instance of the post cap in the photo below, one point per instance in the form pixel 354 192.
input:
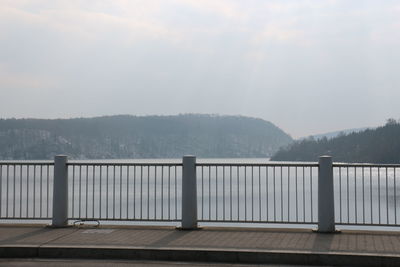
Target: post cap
pixel 325 156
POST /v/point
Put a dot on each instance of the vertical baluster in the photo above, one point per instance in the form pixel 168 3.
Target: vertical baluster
pixel 209 192
pixel 387 197
pixel 155 191
pixel 40 192
pixel 267 192
pixel 27 191
pixel 162 192
pixel 47 194
pixel 245 193
pixel 223 192
pixel 113 205
pixel 14 180
pixel 363 192
pixel 259 193
pixel 274 184
pixel 7 177
pixel 252 193
pixel 297 206
pixel 288 194
pixel 120 191
pixel 216 192
pixel 238 200
pixel 73 191
pixel 394 195
pixel 176 195
pixel 355 195
pixel 281 173
pixel 141 192
pixel 148 192
pixel 20 192
pixel 87 191
pixel 304 194
pixel 93 188
pixel 348 196
pixel 34 191
pixel 1 190
pixel 134 192
pixel 127 192
pixel 100 191
pixel 169 192
pixel 311 192
pixel 340 194
pixel 379 194
pixel 230 185
pixel 202 192
pixel 107 195
pixel 370 192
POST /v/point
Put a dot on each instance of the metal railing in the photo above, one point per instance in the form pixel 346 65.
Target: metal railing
pixel 322 193
pixel 124 191
pixel 26 190
pixel 366 194
pixel 257 193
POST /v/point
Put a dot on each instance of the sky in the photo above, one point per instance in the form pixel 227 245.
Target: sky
pixel 307 66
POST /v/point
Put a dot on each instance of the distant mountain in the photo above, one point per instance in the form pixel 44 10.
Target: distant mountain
pixel 379 145
pixel 127 136
pixel 336 133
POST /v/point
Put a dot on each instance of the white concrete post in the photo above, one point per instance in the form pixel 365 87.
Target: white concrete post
pixel 60 192
pixel 326 208
pixel 189 193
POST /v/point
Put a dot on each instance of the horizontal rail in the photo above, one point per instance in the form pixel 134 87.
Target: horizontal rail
pixel 121 219
pixel 26 219
pixel 368 224
pixel 30 163
pixel 258 222
pixel 79 163
pixel 366 165
pixel 275 164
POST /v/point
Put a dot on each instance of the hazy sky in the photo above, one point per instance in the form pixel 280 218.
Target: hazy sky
pixel 307 66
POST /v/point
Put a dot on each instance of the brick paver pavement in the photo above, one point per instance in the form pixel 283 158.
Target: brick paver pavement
pixel 218 238
pixel 238 239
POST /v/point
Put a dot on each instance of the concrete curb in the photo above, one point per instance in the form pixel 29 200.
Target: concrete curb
pixel 200 255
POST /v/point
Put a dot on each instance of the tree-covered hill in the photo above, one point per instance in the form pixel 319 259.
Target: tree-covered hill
pixel 125 136
pixel 380 145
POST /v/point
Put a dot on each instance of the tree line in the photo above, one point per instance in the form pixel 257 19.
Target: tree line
pixel 126 136
pixel 380 145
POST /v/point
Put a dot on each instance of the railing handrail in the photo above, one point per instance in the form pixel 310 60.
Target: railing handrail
pixel 372 165
pixel 27 162
pixel 274 164
pixel 87 163
pixel 202 164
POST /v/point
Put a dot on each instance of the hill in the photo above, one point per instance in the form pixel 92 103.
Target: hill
pixel 125 136
pixel 336 133
pixel 380 145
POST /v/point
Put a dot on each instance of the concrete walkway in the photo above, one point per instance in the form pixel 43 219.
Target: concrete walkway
pixel 229 245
